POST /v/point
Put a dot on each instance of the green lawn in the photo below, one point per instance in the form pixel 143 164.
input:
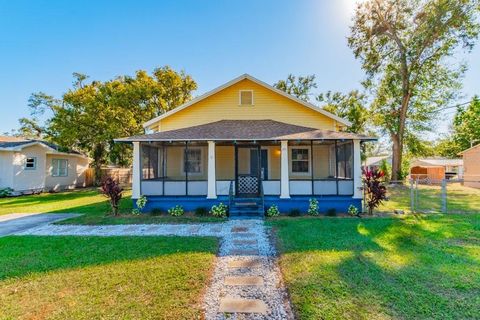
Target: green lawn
pixel 104 277
pixel 460 199
pixel 382 268
pixel 93 205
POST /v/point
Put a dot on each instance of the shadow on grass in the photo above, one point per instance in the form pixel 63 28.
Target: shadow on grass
pixel 362 268
pixel 23 255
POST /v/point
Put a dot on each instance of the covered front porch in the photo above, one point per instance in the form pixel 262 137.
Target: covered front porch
pixel 194 169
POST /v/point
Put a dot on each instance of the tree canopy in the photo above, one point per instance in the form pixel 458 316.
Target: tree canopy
pixel 405 48
pixel 91 114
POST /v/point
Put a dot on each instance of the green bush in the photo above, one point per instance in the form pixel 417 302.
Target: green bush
pixel 5 192
pixel 273 211
pixel 219 211
pixel 353 211
pixel 313 207
pixel 201 211
pixel 294 213
pixel 332 212
pixel 141 203
pixel 176 211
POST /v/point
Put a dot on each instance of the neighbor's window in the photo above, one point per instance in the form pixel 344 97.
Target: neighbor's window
pixel 193 163
pixel 246 97
pixel 59 167
pixel 31 163
pixel 300 160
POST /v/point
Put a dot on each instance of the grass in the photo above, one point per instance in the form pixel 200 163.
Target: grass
pixel 382 268
pixel 93 205
pixel 104 277
pixel 460 199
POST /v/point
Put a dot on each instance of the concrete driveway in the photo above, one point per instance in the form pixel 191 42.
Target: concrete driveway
pixel 17 222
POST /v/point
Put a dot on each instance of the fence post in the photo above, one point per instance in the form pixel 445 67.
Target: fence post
pixel 444 195
pixel 412 197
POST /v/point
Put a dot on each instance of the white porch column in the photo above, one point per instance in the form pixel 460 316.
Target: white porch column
pixel 212 177
pixel 136 171
pixel 284 172
pixel 357 170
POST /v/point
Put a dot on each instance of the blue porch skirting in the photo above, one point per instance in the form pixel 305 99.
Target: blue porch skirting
pixel 190 203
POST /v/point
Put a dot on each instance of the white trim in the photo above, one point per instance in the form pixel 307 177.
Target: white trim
pixel 357 170
pixel 240 104
pixel 212 176
pixel 284 177
pixel 290 158
pixel 136 165
pixel 234 81
pixel 201 161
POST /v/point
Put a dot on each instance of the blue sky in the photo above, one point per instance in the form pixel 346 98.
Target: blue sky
pixel 43 42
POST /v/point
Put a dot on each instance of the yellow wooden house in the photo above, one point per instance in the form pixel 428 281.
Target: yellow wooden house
pixel 248 145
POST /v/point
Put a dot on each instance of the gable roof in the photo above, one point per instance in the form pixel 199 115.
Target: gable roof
pixel 437 162
pixel 377 159
pixel 255 80
pixel 20 143
pixel 246 130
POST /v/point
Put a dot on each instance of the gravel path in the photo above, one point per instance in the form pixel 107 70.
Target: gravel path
pixel 246 282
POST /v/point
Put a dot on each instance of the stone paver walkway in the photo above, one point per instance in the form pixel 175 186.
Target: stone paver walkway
pixel 246 282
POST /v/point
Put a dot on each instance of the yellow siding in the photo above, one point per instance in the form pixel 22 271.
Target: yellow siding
pixel 224 105
pixel 225 162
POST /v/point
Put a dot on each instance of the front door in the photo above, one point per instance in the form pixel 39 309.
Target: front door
pixel 248 172
pixel 263 163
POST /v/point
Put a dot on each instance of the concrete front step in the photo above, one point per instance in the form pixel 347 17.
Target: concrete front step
pixel 239 305
pixel 243 281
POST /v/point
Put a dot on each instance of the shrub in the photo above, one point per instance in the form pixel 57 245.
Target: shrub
pixel 332 212
pixel 176 211
pixel 5 192
pixel 294 213
pixel 156 212
pixel 313 207
pixel 112 190
pixel 273 211
pixel 219 211
pixel 141 203
pixel 353 211
pixel 375 190
pixel 201 211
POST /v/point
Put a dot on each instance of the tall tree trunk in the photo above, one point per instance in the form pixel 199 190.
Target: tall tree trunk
pixel 397 150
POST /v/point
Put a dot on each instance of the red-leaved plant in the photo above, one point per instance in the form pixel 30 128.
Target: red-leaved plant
pixel 112 190
pixel 375 190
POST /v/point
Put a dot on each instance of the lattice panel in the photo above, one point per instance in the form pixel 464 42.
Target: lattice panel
pixel 248 185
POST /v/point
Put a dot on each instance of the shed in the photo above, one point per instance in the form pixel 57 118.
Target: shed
pixel 436 169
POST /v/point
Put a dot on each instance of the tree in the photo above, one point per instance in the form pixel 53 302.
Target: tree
pixel 299 87
pixel 465 131
pixel 404 47
pixel 90 115
pixel 350 106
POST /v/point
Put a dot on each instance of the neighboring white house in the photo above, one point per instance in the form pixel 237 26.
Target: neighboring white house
pixel 34 165
pixel 376 162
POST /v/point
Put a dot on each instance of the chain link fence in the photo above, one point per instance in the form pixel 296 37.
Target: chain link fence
pixel 444 196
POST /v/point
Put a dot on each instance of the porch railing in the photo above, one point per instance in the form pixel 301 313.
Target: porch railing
pixel 230 195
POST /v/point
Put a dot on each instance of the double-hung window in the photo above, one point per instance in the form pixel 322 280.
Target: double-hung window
pixel 31 163
pixel 193 161
pixel 59 167
pixel 300 160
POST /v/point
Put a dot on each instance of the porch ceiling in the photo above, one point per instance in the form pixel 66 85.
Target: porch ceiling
pixel 246 130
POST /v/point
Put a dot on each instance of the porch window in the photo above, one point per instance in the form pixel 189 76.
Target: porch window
pixel 59 167
pixel 150 163
pixel 193 161
pixel 345 159
pixel 300 160
pixel 31 163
